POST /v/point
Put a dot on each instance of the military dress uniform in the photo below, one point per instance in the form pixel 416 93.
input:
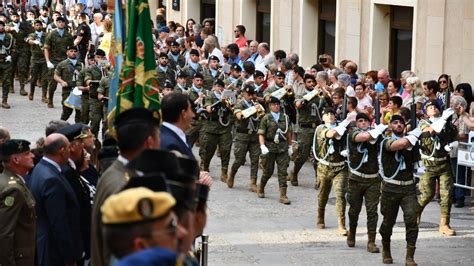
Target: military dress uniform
pixel 20 33
pixel 94 74
pixel 364 185
pixel 437 163
pixel 6 44
pixel 164 73
pixel 69 73
pixel 332 172
pixel 310 117
pixel 276 134
pixel 38 68
pixel 210 76
pixel 57 44
pixel 246 140
pixel 176 61
pixel 17 214
pixel 217 130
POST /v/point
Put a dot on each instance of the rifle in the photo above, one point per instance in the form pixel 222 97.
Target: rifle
pixel 413 112
pixel 377 110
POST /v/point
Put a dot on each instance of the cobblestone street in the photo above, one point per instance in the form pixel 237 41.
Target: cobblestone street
pixel 247 230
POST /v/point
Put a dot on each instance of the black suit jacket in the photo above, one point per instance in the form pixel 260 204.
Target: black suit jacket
pixel 58 236
pixel 170 141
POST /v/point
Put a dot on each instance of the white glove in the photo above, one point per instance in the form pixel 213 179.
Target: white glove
pixel 344 123
pixel 377 131
pixel 438 125
pixel 264 149
pixel 290 150
pixel 8 58
pixel 37 42
pixel 50 65
pixel 340 130
pixel 447 113
pixel 412 139
pixel 451 146
pixel 415 132
pixel 345 153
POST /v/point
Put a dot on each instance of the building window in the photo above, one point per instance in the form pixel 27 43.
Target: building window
pixel 263 21
pixel 327 27
pixel 208 9
pixel 401 37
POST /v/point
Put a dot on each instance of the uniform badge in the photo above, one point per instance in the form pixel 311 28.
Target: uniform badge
pixel 145 207
pixel 9 201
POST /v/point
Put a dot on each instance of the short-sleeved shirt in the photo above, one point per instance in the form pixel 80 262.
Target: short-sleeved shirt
pixel 268 128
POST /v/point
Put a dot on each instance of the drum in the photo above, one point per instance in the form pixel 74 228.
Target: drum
pixel 74 99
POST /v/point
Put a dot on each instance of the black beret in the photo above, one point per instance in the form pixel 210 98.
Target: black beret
pixel 153 162
pixel 61 18
pixel 274 100
pixel 72 132
pixel 137 115
pixel 155 182
pixel 213 57
pixel 329 110
pixel 71 47
pixel 168 84
pixel 163 54
pixel 435 103
pixel 280 74
pixel 259 73
pixel 14 146
pixel 198 75
pixel 189 168
pixel 90 56
pixel 194 52
pixel 235 67
pixel 100 52
pixel 181 74
pixel 174 43
pixel 202 192
pixel 249 89
pixel 39 21
pixel 219 82
pixel 397 117
pixel 362 116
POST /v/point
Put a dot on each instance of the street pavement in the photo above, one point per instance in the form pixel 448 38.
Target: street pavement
pixel 246 230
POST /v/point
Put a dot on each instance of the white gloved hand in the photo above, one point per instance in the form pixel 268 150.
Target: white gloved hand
pixel 415 132
pixel 345 122
pixel 290 150
pixel 450 146
pixel 377 131
pixel 412 139
pixel 340 130
pixel 37 42
pixel 50 65
pixel 447 113
pixel 438 125
pixel 381 127
pixel 345 153
pixel 264 149
pixel 8 58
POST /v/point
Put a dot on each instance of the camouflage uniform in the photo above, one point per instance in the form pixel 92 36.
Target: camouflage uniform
pixel 216 131
pixel 209 78
pixel 38 68
pixel 5 67
pixel 20 54
pixel 309 118
pixel 278 152
pixel 179 61
pixel 332 171
pixel 162 76
pixel 57 47
pixel 190 73
pixel 69 73
pixel 103 89
pixel 194 132
pixel 94 73
pixel 364 184
pixel 84 97
pixel 246 140
pixel 237 83
pixel 180 89
pixel 438 165
pixel 399 195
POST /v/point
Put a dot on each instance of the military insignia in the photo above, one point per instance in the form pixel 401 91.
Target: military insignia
pixel 82 31
pixel 145 207
pixel 9 201
pixel 20 146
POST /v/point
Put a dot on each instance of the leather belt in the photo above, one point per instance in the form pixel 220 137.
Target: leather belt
pixel 324 162
pixel 433 159
pixel 359 174
pixel 399 183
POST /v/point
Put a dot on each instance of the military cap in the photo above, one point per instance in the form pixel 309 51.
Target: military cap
pixel 72 132
pixel 14 146
pixel 194 52
pixel 280 74
pixel 362 116
pixel 397 117
pixel 174 43
pixel 90 56
pixel 219 82
pixel 100 52
pixel 213 57
pixel 198 75
pixel 329 110
pixel 39 21
pixel 163 54
pixel 9 6
pixel 249 89
pixel 189 167
pixel 202 192
pixel 435 103
pixel 136 205
pixel 259 73
pixel 135 115
pixel 154 182
pixel 164 29
pixel 274 100
pixel 61 18
pixel 169 84
pixel 235 67
pixel 146 163
pixel 71 47
pixel 181 74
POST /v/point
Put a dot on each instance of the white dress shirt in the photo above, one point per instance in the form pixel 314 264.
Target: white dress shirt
pixel 176 130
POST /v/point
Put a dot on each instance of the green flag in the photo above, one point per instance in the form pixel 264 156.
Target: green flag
pixel 138 80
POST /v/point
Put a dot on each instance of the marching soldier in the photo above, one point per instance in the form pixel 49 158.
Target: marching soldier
pixel 246 137
pixel 17 208
pixel 274 136
pixel 396 164
pixel 332 168
pixel 38 68
pixel 437 134
pixel 181 83
pixel 66 74
pixel 192 67
pixel 164 71
pixel 258 79
pixel 287 100
pixel 234 81
pixel 310 106
pixel 177 60
pixel 103 96
pixel 196 95
pixel 279 79
pixel 217 130
pixel 55 48
pixel 6 44
pixel 93 75
pixel 81 85
pixel 364 181
pixel 211 73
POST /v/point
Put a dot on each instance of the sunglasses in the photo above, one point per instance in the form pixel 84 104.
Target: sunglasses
pixel 442 82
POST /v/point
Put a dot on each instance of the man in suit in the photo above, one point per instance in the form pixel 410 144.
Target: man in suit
pixel 177 118
pixel 58 237
pixel 17 208
pixel 137 129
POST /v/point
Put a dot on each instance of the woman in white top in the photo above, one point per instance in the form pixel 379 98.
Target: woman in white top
pixel 96 28
pixel 414 89
pixel 364 101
